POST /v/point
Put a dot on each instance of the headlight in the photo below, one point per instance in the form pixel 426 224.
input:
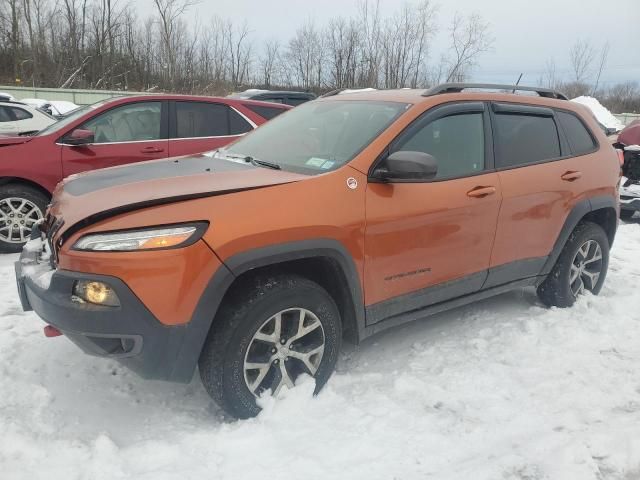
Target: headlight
pixel 145 239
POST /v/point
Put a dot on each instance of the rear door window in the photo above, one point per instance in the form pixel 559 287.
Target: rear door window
pixel 523 139
pixel 201 119
pixel 579 137
pixel 237 123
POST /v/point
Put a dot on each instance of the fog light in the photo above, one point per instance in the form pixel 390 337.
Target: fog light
pixel 96 292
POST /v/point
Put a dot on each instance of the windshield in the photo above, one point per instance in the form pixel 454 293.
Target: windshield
pixel 318 136
pixel 70 118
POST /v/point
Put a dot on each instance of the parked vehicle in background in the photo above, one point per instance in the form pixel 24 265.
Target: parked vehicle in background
pixel 287 97
pixel 56 108
pixel 6 97
pixel 17 118
pixel 109 133
pixel 629 142
pixel 346 216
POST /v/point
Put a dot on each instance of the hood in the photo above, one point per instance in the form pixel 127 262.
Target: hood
pixel 6 140
pixel 83 199
pixel 630 135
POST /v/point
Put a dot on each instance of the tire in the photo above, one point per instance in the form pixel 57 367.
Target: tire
pixel 33 208
pixel 558 290
pixel 627 214
pixel 251 310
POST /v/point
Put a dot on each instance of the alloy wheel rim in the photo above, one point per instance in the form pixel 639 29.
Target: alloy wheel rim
pixel 17 218
pixel 286 345
pixel 586 268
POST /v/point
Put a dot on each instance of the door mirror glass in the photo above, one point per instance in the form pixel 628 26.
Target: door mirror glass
pixel 407 165
pixel 79 136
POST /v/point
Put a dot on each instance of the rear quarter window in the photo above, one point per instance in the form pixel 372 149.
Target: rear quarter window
pixel 580 140
pixel 21 114
pixel 525 139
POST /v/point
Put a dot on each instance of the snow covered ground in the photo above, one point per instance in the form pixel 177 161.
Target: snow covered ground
pixel 504 389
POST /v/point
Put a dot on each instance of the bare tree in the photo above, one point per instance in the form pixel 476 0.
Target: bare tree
pixel 470 38
pixel 269 62
pixel 604 55
pixel 549 77
pixel 343 44
pixel 581 57
pixel 170 12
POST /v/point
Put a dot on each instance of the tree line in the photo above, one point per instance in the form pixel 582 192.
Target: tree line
pixel 108 44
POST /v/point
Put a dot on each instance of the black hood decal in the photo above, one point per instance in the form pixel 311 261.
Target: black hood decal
pixel 146 171
pixel 105 214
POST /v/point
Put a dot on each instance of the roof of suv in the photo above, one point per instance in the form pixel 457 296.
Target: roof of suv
pixel 416 96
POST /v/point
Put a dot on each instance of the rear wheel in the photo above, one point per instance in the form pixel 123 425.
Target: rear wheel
pixel 582 266
pixel 21 206
pixel 268 333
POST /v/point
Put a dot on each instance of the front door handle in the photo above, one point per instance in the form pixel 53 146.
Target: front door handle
pixel 481 192
pixel 152 150
pixel 571 175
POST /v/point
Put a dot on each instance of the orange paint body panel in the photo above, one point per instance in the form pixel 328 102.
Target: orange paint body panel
pixel 168 282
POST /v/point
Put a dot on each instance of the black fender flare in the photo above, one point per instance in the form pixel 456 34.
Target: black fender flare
pixel 578 212
pixel 197 329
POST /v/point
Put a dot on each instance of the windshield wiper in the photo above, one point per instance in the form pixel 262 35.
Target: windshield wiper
pixel 252 160
pixel 262 163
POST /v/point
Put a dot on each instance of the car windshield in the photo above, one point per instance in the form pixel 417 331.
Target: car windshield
pixel 70 118
pixel 318 136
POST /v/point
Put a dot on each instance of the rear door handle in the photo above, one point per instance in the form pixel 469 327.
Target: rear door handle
pixel 481 192
pixel 152 150
pixel 571 175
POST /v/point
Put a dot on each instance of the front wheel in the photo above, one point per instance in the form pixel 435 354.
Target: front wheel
pixel 21 206
pixel 582 266
pixel 268 333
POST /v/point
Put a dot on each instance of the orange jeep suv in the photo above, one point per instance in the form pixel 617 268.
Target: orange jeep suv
pixel 336 220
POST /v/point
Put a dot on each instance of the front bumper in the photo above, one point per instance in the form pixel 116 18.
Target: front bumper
pixel 129 333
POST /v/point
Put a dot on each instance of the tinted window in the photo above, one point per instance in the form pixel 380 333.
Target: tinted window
pixel 128 123
pixel 21 114
pixel 5 116
pixel 295 101
pixel 456 142
pixel 266 112
pixel 237 124
pixel 199 119
pixel 579 138
pixel 523 139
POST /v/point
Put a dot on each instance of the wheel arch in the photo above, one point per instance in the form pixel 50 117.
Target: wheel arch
pixel 601 210
pixel 24 181
pixel 324 261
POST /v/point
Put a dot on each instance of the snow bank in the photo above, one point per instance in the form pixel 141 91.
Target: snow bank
pixel 503 389
pixel 604 116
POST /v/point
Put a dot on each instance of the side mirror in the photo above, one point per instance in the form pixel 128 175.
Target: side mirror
pixel 79 136
pixel 406 165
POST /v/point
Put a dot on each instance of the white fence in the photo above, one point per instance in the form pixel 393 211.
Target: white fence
pixel 77 96
pixel 627 118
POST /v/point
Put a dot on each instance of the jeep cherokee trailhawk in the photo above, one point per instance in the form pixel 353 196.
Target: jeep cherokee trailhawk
pixel 345 216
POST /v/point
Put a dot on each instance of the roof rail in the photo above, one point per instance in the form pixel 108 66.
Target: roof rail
pixel 331 93
pixel 458 87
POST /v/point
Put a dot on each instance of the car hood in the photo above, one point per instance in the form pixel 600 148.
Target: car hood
pixel 87 198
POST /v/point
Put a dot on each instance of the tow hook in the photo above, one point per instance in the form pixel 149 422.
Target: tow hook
pixel 51 331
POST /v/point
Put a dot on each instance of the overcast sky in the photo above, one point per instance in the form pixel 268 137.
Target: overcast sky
pixel 526 32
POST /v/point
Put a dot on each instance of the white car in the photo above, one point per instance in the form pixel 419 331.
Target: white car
pixel 57 108
pixel 18 118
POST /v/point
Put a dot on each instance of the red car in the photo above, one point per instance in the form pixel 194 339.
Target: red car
pixel 109 133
